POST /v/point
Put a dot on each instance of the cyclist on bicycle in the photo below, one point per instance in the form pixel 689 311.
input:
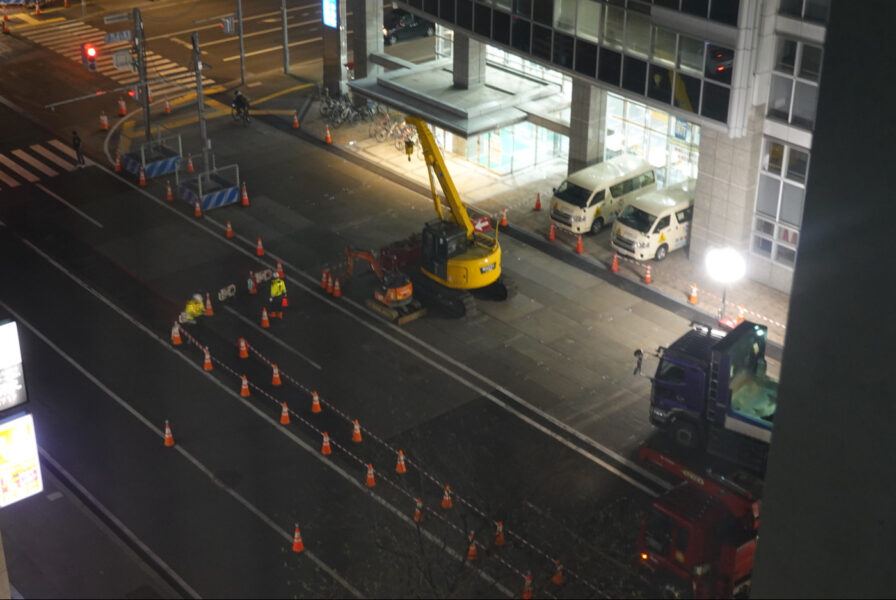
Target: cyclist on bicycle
pixel 240 103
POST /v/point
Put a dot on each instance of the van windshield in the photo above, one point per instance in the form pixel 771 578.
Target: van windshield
pixel 572 193
pixel 636 218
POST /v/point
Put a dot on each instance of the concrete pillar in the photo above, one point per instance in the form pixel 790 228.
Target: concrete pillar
pixel 587 125
pixel 469 62
pixel 335 53
pixel 726 189
pixel 368 36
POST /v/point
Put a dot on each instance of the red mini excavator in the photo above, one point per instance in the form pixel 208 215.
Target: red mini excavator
pixel 394 297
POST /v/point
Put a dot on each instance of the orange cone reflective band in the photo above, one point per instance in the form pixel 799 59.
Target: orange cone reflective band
pixel 315 403
pixel 472 553
pixel 169 193
pixel 297 545
pixel 244 389
pixel 244 197
pixel 207 364
pixel 614 268
pixel 647 278
pixel 337 291
pixel 197 210
pixel 325 448
pixel 557 579
pixel 527 588
pixel 692 298
pixel 356 432
pixel 371 482
pixel 229 232
pixel 259 249
pixel 275 378
pixel 244 348
pixel 400 467
pixel 499 534
pixel 579 248
pixel 175 335
pixel 418 511
pixel 284 415
pixel 446 499
pixel 208 306
pixel 169 439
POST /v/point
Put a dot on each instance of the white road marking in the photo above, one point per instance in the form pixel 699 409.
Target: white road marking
pixel 53 157
pixel 19 170
pixel 272 49
pixel 8 180
pixel 68 151
pixel 63 201
pixel 27 158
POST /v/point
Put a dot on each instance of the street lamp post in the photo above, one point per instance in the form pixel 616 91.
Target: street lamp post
pixel 726 266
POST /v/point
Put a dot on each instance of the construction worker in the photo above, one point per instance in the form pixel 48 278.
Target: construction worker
pixel 195 308
pixel 278 293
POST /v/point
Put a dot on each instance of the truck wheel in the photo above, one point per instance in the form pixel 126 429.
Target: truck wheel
pixel 661 252
pixel 597 225
pixel 685 434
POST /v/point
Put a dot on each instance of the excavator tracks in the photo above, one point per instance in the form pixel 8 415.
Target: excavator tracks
pixel 454 303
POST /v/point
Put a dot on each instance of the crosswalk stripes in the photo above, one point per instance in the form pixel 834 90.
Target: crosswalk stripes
pixel 65 38
pixel 29 165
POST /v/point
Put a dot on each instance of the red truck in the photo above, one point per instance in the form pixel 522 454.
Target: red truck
pixel 699 538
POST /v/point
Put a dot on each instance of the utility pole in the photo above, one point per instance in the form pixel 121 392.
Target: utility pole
pixel 200 100
pixel 239 18
pixel 285 37
pixel 142 87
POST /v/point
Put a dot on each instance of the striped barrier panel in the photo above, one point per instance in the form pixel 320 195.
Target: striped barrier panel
pixel 161 167
pixel 131 163
pixel 220 198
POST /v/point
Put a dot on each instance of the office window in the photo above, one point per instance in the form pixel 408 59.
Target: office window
pixel 793 93
pixel 715 101
pixel 446 10
pixel 698 8
pixel 724 11
pixel 588 20
pixel 565 15
pixel 431 6
pixel 719 63
pixel 465 14
pixel 541 42
pixel 815 11
pixel 520 35
pixel 609 66
pixel 690 55
pixel 501 27
pixel 637 34
pixel 543 12
pixel 634 74
pixel 659 83
pixel 563 50
pixel 779 201
pixel 482 22
pixel 586 58
pixel 522 8
pixel 687 93
pixel 614 31
pixel 663 47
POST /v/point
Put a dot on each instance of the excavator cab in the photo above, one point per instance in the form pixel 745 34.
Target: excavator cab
pixel 442 240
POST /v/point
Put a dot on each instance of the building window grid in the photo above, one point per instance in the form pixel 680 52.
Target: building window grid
pixel 793 79
pixel 773 238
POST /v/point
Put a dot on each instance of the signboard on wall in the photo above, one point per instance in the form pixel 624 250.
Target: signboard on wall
pixel 330 13
pixel 19 461
pixel 12 378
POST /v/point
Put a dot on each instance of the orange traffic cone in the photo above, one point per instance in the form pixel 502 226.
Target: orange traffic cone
pixel 175 335
pixel 400 468
pixel 265 323
pixel 117 162
pixel 692 298
pixel 169 193
pixel 647 278
pixel 169 439
pixel 446 498
pixel 244 348
pixel 579 248
pixel 142 181
pixel 284 415
pixel 356 432
pixel 557 579
pixel 275 378
pixel 527 588
pixel 538 201
pixel 167 107
pixel 323 279
pixel 190 167
pixel 244 388
pixel 297 545
pixel 472 553
pixel 614 268
pixel 418 511
pixel 122 107
pixel 329 282
pixel 207 364
pixel 259 249
pixel 244 197
pixel 295 119
pixel 740 314
pixel 229 232
pixel 208 306
pixel 371 481
pixel 37 8
pixel 499 534
pixel 325 448
pixel 279 269
pixel 315 402
pixel 337 291
pixel 504 218
pixel 552 235
pixel 65 4
pixel 328 139
pixel 104 121
pixel 197 211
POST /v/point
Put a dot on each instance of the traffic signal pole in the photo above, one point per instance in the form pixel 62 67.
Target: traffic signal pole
pixel 239 18
pixel 285 37
pixel 200 100
pixel 140 49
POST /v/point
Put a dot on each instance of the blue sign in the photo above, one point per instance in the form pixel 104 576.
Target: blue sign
pixel 330 13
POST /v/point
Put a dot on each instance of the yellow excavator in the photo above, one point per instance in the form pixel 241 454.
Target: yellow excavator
pixel 455 257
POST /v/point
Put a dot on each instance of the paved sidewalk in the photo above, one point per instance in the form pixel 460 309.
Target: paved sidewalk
pixel 491 192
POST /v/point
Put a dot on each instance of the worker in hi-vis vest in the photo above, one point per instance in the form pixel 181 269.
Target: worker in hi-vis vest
pixel 194 308
pixel 278 293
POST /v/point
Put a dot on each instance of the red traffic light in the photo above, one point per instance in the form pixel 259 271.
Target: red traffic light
pixel 91 51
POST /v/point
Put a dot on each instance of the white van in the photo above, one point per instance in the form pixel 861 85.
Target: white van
pixel 589 199
pixel 655 223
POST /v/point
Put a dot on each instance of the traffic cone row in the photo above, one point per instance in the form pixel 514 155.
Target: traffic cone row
pixel 324 276
pixel 244 388
pixel 284 415
pixel 207 364
pixel 175 335
pixel 244 197
pixel 400 467
pixel 315 403
pixel 259 249
pixel 229 232
pixel 356 432
pixel 275 378
pixel 446 498
pixel 337 291
pixel 244 348
pixel 325 447
pixel 371 481
pixel 692 297
pixel 208 306
pixel 169 438
pixel 169 193
pixel 295 119
pixel 265 322
pixel 472 553
pixel 104 121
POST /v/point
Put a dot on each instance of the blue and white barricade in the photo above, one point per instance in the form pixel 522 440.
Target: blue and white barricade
pixel 211 189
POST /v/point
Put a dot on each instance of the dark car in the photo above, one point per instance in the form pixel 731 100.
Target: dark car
pixel 401 25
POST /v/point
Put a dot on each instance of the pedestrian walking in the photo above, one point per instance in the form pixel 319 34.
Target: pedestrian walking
pixel 76 144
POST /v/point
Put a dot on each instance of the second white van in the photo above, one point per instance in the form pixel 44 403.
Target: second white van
pixel 590 199
pixel 652 225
